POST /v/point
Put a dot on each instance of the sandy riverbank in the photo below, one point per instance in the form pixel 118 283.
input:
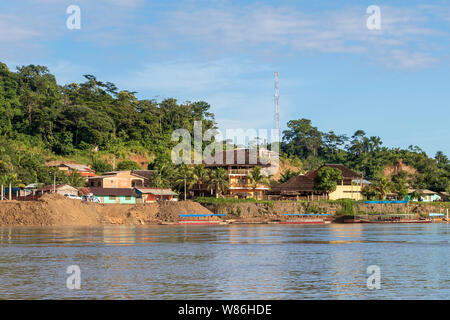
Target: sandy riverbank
pixel 54 210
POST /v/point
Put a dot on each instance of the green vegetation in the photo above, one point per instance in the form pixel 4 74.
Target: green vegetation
pixel 287 175
pixel 366 156
pixel 128 165
pixel 347 207
pixel 327 179
pixel 95 123
pixel 91 122
pixel 257 178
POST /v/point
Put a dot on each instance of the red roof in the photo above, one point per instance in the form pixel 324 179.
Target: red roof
pixel 83 174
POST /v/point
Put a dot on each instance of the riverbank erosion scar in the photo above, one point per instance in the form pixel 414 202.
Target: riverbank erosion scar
pixel 55 210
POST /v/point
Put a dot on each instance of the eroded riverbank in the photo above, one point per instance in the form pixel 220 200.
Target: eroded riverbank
pixel 53 210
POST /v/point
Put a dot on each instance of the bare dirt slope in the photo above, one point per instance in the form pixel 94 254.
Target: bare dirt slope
pixel 55 210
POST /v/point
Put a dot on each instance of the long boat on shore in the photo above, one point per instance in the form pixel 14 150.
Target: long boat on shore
pixel 200 219
pixel 306 218
pixel 391 219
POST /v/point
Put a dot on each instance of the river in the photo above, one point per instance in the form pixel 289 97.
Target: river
pixel 226 262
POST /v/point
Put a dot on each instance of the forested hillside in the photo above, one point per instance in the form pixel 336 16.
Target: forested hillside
pixel 93 122
pixel 40 119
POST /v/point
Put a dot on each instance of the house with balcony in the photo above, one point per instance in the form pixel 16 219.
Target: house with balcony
pixel 239 163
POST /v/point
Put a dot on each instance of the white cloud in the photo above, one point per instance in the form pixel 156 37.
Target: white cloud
pixel 192 76
pixel 13 31
pixel 399 59
pixel 289 29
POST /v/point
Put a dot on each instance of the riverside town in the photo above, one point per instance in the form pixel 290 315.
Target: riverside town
pixel 220 157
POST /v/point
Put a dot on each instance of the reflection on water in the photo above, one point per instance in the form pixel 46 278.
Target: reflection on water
pixel 226 262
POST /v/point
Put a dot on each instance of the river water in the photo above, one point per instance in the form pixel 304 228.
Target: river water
pixel 226 262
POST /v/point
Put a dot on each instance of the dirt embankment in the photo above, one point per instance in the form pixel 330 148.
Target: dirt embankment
pixel 277 210
pixel 54 210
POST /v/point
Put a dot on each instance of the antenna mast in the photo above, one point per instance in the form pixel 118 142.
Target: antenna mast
pixel 277 108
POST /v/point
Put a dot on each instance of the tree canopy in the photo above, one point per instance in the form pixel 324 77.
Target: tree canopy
pixel 95 120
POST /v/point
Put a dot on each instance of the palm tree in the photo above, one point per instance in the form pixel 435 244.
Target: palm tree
pixel 257 178
pixel 201 174
pixel 159 178
pixel 185 178
pixel 218 181
pixel 383 186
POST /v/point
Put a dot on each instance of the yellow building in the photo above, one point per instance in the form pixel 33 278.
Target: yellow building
pixel 239 163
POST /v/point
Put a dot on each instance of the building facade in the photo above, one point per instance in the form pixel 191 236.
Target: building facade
pixel 83 170
pixel 61 189
pixel 239 163
pixel 150 195
pixel 115 195
pixel 426 196
pixel 117 179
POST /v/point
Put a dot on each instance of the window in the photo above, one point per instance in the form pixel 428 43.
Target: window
pixel 112 197
pixel 128 198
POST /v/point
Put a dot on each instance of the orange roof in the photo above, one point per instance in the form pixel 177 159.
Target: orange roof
pixel 83 174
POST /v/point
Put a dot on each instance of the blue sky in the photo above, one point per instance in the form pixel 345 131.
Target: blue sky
pixel 392 82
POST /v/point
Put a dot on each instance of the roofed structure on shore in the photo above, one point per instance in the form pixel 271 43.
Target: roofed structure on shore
pixel 61 189
pixel 156 194
pixel 68 167
pixel 425 195
pixel 300 183
pixel 302 186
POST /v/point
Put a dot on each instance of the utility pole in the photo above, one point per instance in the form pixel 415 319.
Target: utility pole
pixel 10 192
pixel 185 187
pixel 54 182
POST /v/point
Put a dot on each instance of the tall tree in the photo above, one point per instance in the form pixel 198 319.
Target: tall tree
pixel 327 179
